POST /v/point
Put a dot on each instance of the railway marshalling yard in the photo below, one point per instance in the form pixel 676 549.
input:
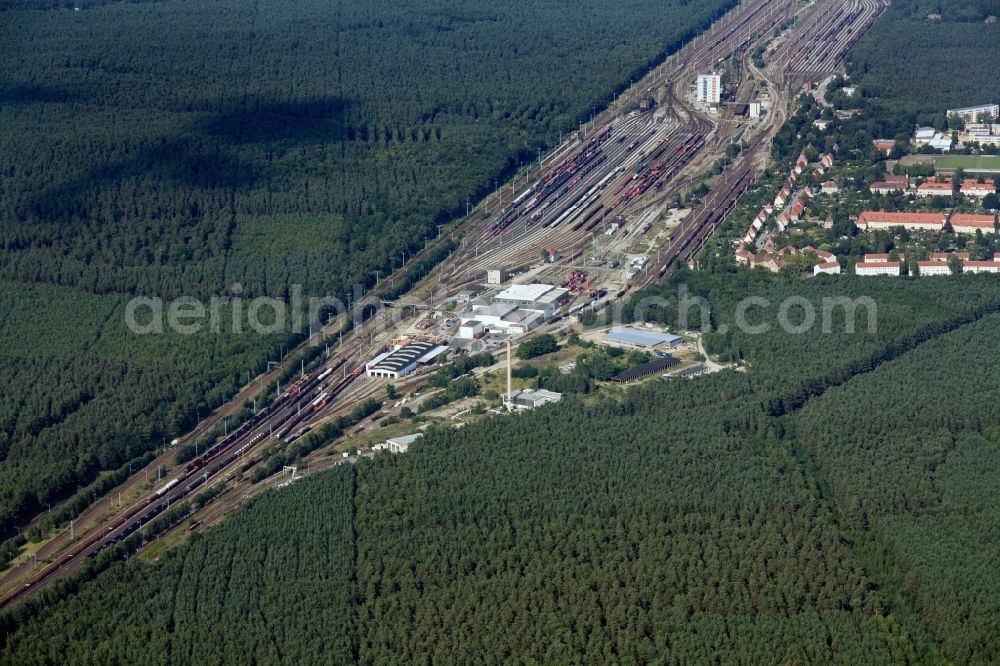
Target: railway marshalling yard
pixel 606 199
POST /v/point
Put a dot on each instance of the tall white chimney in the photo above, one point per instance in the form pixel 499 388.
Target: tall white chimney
pixel 510 392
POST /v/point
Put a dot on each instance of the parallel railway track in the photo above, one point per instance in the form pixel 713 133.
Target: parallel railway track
pixel 670 144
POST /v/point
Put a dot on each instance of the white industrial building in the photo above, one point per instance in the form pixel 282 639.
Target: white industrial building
pixel 923 135
pixel 515 311
pixel 471 329
pixel 401 444
pixel 942 143
pixel 531 398
pixel 397 444
pixel 503 317
pixel 541 297
pixel 403 360
pixel 709 88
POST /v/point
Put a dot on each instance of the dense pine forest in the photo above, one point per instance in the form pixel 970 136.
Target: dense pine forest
pixel 182 147
pixel 831 504
pixel 926 56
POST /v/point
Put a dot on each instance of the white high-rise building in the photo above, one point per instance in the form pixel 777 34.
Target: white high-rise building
pixel 971 113
pixel 709 88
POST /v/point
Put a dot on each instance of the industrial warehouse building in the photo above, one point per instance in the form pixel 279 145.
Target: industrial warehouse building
pixel 516 310
pixel 531 398
pixel 471 329
pixel 403 360
pixel 401 444
pixel 543 298
pixel 397 444
pixel 923 135
pixel 633 337
pixel 503 318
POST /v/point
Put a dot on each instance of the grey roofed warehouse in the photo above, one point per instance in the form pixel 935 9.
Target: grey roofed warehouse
pixel 402 444
pixel 634 337
pixel 531 398
pixel 402 361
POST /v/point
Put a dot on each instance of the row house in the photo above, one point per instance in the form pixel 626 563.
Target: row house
pixel 767 261
pixel 823 255
pixel 781 198
pixel 890 184
pixel 981 266
pixel 933 268
pixel 883 187
pixel 939 264
pixel 934 188
pixel 878 268
pixel 884 145
pixel 965 223
pixel 752 231
pixel 913 221
pixel 827 268
pixel 797 210
pixel 973 188
pixel 769 243
pixel 877 258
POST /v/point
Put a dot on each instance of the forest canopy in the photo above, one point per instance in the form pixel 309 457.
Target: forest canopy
pixel 926 56
pixel 686 522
